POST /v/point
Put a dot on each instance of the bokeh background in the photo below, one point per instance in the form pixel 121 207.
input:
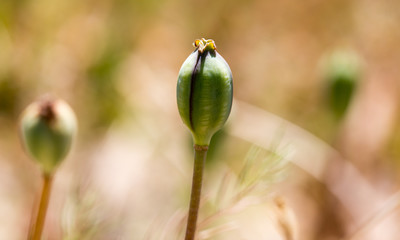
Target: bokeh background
pixel 311 150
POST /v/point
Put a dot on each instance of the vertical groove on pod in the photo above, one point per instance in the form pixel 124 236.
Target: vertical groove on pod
pixel 192 85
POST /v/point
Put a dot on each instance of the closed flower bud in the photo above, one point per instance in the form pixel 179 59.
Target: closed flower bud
pixel 204 91
pixel 48 127
pixel 342 71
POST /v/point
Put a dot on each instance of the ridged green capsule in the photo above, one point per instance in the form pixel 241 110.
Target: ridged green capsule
pixel 48 127
pixel 204 91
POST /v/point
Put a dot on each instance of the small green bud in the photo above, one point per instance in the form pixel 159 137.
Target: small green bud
pixel 47 129
pixel 204 91
pixel 342 73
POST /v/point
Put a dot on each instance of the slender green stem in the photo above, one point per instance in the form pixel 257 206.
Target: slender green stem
pixel 199 160
pixel 37 227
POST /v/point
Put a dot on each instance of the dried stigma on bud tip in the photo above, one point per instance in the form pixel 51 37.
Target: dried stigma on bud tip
pixel 47 128
pixel 204 91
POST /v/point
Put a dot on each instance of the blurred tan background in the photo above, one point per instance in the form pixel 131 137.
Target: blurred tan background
pixel 312 175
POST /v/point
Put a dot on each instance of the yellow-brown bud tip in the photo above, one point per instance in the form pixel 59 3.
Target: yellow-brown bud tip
pixel 204 45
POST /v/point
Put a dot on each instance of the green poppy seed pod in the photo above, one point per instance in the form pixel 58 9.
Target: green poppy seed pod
pixel 342 73
pixel 204 91
pixel 48 127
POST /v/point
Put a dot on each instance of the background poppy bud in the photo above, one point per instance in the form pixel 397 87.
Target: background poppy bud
pixel 48 127
pixel 342 71
pixel 204 91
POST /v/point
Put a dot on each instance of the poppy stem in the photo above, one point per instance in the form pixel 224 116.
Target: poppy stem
pixel 200 153
pixel 37 227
